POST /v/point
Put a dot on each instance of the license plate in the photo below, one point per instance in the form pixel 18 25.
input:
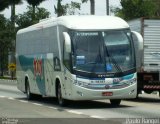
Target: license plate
pixel 107 93
pixel 98 81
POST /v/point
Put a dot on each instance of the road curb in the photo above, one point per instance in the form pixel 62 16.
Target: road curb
pixel 8 82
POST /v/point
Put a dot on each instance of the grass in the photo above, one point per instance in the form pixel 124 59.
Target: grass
pixel 7 78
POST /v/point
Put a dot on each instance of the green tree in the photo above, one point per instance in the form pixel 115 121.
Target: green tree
pixel 92 6
pixel 72 7
pixel 25 19
pixel 157 4
pixel 12 30
pixel 135 8
pixel 59 9
pixel 68 8
pixel 34 4
pixel 6 36
pixel 13 3
pixel 3 4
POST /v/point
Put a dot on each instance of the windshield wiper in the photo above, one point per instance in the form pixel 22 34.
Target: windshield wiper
pixel 115 63
pixel 90 63
pixel 98 59
pixel 110 57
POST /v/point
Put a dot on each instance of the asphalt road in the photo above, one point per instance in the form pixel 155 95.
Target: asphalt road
pixel 15 108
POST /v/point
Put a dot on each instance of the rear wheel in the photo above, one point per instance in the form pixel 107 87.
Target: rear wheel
pixel 138 92
pixel 148 91
pixel 61 101
pixel 115 102
pixel 29 95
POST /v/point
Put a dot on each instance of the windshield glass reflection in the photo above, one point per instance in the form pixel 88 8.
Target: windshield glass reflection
pixel 102 51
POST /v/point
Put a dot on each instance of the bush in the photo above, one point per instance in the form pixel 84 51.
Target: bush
pixel 8 78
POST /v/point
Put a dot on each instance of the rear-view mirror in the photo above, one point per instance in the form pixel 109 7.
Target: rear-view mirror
pixel 67 43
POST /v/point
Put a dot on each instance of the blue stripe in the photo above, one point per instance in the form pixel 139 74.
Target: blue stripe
pixel 128 77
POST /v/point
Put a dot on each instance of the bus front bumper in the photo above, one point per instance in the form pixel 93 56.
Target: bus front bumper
pixel 81 93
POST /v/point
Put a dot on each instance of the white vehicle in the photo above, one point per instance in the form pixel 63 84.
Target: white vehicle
pixel 77 58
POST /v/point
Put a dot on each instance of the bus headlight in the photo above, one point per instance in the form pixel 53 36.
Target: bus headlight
pixel 80 83
pixel 130 82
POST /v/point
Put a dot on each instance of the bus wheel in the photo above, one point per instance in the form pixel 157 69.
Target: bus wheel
pixel 28 92
pixel 148 91
pixel 138 92
pixel 115 102
pixel 61 101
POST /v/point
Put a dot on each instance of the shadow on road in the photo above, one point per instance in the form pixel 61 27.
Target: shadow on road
pixel 145 100
pixel 75 104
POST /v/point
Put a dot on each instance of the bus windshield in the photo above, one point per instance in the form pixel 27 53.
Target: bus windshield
pixel 108 51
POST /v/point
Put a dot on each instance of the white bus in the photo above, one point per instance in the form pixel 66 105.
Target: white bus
pixel 77 58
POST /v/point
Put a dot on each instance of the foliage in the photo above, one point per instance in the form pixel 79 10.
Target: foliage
pixel 34 4
pixel 6 36
pixel 157 4
pixel 135 8
pixel 92 6
pixel 71 8
pixel 60 9
pixel 13 3
pixel 25 19
pixel 67 9
pixel 10 33
pixel 84 1
pixel 6 3
pixel 3 4
pixel 8 78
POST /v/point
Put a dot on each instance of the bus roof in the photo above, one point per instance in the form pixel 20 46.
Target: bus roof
pixel 81 22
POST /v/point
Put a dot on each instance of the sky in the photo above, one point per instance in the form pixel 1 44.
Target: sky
pixel 100 7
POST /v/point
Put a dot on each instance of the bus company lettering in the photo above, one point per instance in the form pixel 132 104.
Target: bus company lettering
pixel 37 66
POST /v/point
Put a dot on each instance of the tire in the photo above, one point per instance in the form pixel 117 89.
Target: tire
pixel 29 95
pixel 148 91
pixel 138 92
pixel 61 101
pixel 137 96
pixel 115 102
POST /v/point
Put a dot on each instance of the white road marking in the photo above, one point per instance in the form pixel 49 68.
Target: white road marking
pixel 52 108
pixel 23 101
pixel 10 98
pixel 2 96
pixel 95 116
pixel 37 104
pixel 74 112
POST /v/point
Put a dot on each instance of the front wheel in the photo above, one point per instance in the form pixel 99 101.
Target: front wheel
pixel 61 101
pixel 115 102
